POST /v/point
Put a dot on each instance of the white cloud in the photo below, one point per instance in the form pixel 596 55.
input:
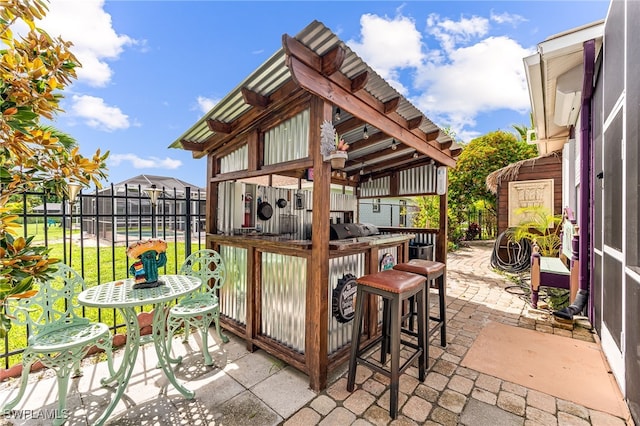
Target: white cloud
pixel 205 104
pixel 452 33
pixel 388 45
pixel 97 114
pixel 483 77
pixel 507 18
pixel 143 163
pixel 458 71
pixel 89 28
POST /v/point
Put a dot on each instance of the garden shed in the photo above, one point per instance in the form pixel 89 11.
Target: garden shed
pixel 526 183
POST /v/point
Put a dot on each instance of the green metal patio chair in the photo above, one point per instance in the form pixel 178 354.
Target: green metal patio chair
pixel 58 336
pixel 202 307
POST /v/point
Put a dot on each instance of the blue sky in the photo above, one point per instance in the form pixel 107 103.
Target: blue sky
pixel 151 69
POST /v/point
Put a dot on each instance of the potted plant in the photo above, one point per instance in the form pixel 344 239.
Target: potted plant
pixel 332 147
pixel 542 229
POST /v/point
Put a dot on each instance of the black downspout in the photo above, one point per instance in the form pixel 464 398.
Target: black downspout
pixel 587 188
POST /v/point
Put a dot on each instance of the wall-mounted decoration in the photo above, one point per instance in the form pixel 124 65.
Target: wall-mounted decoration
pixel 344 298
pixel 299 201
pixel 375 205
pixel 387 262
pixel 529 193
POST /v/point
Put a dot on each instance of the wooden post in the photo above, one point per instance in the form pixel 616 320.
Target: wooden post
pixel 316 328
pixel 254 307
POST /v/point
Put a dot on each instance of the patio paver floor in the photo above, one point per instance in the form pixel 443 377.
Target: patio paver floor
pixel 256 389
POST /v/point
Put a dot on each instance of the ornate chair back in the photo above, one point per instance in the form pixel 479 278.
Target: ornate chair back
pixel 54 306
pixel 208 266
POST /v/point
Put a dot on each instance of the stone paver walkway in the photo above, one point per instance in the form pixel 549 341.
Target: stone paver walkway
pixel 256 389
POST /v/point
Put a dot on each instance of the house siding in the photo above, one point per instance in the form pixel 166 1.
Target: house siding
pixel 615 285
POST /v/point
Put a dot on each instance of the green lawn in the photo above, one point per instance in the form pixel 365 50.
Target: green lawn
pixel 100 265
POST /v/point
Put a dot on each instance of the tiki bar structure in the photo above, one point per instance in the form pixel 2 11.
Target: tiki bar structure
pixel 292 252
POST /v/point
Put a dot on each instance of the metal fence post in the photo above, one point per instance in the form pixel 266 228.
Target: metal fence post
pixel 187 231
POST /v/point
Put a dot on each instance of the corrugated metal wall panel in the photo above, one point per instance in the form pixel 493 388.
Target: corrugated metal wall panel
pixel 375 187
pixel 340 333
pixel 235 161
pixel 419 180
pixel 283 298
pixel 287 220
pixel 233 301
pixel 287 141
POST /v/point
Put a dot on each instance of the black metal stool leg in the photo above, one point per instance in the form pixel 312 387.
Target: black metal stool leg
pixel 442 293
pixel 423 342
pixel 395 357
pixel 386 327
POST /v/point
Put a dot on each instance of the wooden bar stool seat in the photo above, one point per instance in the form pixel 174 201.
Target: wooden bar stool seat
pixel 435 274
pixel 394 287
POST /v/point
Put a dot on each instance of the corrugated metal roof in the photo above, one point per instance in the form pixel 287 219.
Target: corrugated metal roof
pixel 274 73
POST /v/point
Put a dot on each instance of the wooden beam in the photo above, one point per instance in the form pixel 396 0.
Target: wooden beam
pixel 359 82
pixel 348 125
pixel 332 60
pixel 254 99
pixel 375 155
pixel 293 47
pixel 296 49
pixel 391 105
pixel 285 94
pixel 192 146
pixel 312 81
pixel 219 127
pixel 402 162
pixel 279 168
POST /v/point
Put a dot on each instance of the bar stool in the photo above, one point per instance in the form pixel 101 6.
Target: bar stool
pixel 394 287
pixel 435 274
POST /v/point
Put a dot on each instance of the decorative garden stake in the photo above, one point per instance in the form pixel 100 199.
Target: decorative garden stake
pixel 149 256
pixel 332 147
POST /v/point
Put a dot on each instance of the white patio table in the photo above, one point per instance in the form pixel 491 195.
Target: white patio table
pixel 121 295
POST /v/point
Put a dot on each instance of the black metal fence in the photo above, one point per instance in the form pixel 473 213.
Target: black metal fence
pixel 92 233
pixel 478 224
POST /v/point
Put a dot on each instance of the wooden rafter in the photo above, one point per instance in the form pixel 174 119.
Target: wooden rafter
pixel 191 146
pixel 391 105
pixel 445 145
pixel 219 126
pixel 332 60
pixel 367 159
pixel 359 82
pixel 345 126
pixel 283 95
pixel 414 123
pixel 337 89
pixel 254 99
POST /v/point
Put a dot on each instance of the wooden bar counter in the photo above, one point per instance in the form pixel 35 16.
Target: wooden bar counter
pixel 267 301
